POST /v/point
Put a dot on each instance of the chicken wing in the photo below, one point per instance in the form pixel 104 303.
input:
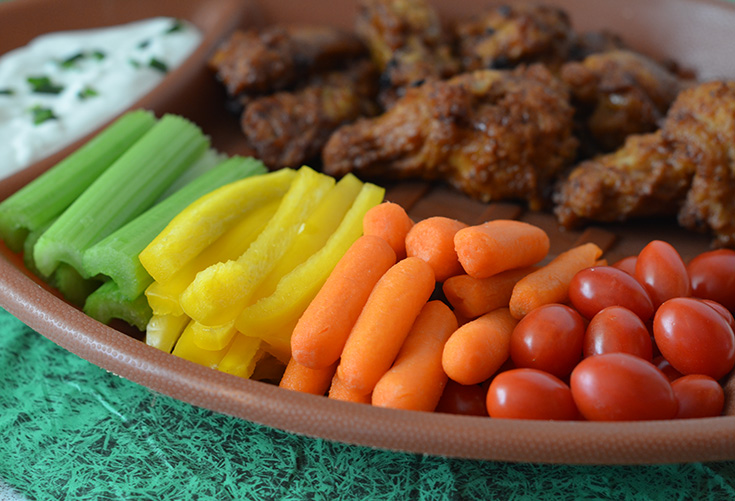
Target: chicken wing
pixel 288 129
pixel 619 93
pixel 508 35
pixel 493 134
pixel 407 43
pixel 277 57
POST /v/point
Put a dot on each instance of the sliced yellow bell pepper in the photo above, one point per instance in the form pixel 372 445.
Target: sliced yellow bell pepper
pixel 270 315
pixel 212 337
pixel 163 331
pixel 163 297
pixel 219 293
pixel 205 220
pixel 242 356
pixel 315 232
pixel 186 348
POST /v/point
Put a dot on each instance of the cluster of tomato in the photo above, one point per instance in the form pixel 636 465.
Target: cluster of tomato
pixel 649 337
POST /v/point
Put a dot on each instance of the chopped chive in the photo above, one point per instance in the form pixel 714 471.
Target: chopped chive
pixel 44 85
pixel 107 303
pixel 6 92
pixel 41 114
pixel 46 197
pixel 135 64
pixel 122 192
pixel 177 25
pixel 157 64
pixel 87 92
pixel 144 44
pixel 71 61
pixel 98 55
pixel 116 256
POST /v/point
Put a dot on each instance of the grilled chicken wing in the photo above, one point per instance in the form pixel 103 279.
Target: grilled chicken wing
pixel 407 43
pixel 277 57
pixel 287 129
pixel 492 134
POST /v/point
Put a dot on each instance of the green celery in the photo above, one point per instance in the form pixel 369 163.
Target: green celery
pixel 107 302
pixel 211 159
pixel 46 197
pixel 116 256
pixel 72 285
pixel 125 190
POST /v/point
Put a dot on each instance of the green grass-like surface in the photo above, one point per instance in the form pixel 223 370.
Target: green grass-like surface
pixel 71 430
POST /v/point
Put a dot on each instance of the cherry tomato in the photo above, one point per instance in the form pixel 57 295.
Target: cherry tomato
pixel 462 399
pixel 668 369
pixel 548 338
pixel 596 288
pixel 722 311
pixel 617 330
pixel 621 387
pixel 712 275
pixel 698 396
pixel 530 394
pixel 694 337
pixel 662 272
pixel 627 264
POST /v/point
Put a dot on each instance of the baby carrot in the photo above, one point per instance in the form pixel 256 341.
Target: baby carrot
pixel 390 222
pixel 384 323
pixel 550 283
pixel 300 378
pixel 500 245
pixel 432 240
pixel 417 379
pixel 477 349
pixel 322 330
pixel 339 391
pixel 471 297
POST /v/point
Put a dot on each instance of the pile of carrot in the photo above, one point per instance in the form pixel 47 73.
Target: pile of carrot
pixel 412 305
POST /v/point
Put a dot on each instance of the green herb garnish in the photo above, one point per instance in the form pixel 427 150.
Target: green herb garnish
pixel 144 44
pixel 98 55
pixel 134 63
pixel 42 114
pixel 44 85
pixel 87 92
pixel 177 26
pixel 159 65
pixel 71 62
pixel 6 92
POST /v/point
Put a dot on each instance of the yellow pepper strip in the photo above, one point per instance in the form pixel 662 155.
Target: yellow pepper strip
pixel 186 348
pixel 294 292
pixel 212 337
pixel 202 222
pixel 163 297
pixel 163 331
pixel 219 293
pixel 242 356
pixel 316 230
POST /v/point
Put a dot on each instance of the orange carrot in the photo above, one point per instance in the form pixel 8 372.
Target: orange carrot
pixel 390 222
pixel 432 240
pixel 338 391
pixel 300 378
pixel 384 323
pixel 500 245
pixel 550 283
pixel 323 328
pixel 471 297
pixel 479 348
pixel 417 379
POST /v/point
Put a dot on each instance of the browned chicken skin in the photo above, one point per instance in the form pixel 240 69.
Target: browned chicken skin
pixel 509 35
pixel 619 93
pixel 688 167
pixel 493 134
pixel 277 57
pixel 288 129
pixel 407 43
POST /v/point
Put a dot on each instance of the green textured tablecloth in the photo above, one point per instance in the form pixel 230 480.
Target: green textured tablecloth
pixel 71 430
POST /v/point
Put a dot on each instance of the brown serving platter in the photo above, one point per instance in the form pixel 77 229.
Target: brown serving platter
pixel 695 33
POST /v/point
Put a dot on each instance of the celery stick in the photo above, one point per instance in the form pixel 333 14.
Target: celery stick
pixel 125 190
pixel 116 256
pixel 46 197
pixel 107 302
pixel 211 159
pixel 72 285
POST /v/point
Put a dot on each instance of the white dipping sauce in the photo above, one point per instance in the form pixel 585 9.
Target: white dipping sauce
pixel 92 76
